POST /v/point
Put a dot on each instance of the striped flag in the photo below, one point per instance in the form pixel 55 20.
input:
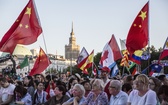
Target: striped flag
pixel 114 70
pixel 124 60
pixel 82 55
pixel 136 56
pixel 87 62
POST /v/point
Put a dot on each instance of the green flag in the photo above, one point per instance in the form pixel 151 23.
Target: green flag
pixel 24 63
pixel 132 67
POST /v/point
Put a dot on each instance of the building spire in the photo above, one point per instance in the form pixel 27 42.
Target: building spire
pixel 72 33
pixel 72 26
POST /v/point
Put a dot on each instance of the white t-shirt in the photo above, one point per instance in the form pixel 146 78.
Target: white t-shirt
pixel 7 91
pixel 148 99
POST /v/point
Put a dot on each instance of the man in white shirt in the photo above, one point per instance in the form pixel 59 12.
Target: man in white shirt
pixel 118 97
pixel 7 90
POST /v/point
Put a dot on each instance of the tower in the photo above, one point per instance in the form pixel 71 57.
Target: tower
pixel 72 50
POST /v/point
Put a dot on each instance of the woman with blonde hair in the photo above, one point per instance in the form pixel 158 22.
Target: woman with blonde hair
pixel 97 96
pixel 78 95
pixel 142 95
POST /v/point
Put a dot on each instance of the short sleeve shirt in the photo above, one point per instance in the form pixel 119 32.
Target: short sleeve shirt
pixel 7 91
pixel 148 99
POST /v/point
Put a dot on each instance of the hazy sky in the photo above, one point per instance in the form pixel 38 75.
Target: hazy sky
pixel 94 21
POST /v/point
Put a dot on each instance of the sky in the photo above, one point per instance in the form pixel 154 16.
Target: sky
pixel 94 21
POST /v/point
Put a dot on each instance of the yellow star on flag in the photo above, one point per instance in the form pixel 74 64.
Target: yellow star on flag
pixel 28 11
pixel 26 26
pixel 140 26
pixel 20 25
pixel 143 15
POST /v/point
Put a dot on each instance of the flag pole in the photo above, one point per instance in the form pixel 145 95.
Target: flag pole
pixel 92 65
pixel 40 25
pixel 42 32
pixel 127 68
pixel 95 65
pixel 92 70
pixel 148 37
pixel 28 65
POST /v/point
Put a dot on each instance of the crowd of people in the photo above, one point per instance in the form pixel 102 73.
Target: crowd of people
pixel 76 90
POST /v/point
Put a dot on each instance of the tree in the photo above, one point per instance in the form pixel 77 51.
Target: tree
pixel 97 58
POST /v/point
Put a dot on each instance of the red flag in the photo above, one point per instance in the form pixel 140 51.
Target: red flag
pixel 134 71
pixel 165 50
pixel 25 30
pixel 42 62
pixel 138 34
pixel 48 89
pixel 94 71
pixel 116 50
pixel 110 53
pixel 87 62
pixel 85 71
pixel 151 73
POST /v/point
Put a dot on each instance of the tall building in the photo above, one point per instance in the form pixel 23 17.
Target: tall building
pixel 72 50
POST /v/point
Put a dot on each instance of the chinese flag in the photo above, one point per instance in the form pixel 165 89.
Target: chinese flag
pixel 138 34
pixel 25 30
pixel 42 62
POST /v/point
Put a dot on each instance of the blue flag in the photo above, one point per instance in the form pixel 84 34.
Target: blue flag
pixel 156 68
pixel 153 68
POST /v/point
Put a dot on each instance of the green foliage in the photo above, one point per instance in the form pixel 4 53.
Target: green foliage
pixel 75 69
pixel 52 70
pixel 97 58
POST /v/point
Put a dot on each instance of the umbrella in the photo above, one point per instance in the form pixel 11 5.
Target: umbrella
pixel 21 50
